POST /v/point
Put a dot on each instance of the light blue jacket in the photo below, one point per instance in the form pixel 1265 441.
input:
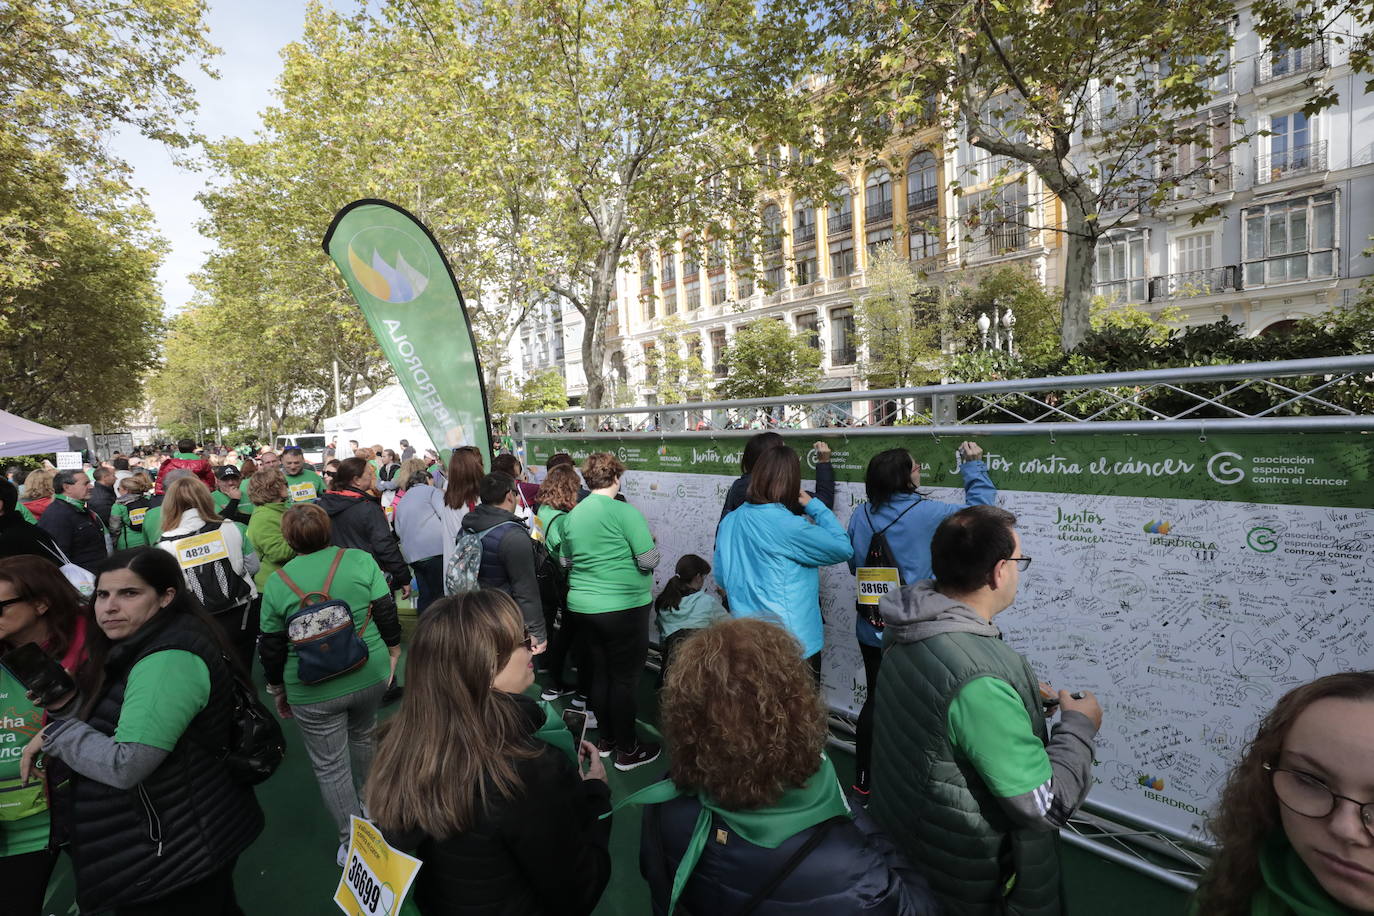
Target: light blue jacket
pixel 768 561
pixel 910 536
pixel 695 612
pixel 419 520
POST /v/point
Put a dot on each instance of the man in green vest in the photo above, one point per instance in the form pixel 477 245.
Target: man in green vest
pixel 303 483
pixel 967 778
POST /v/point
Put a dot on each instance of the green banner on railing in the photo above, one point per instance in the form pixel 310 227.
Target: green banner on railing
pixel 408 295
pixel 1300 469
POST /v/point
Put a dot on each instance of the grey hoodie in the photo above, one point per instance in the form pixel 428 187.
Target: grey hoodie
pixel 918 612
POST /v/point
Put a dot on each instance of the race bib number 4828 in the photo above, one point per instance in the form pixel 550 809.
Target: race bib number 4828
pixel 201 549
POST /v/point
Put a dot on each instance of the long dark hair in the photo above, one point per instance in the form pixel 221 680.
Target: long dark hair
pixel 776 478
pixel 348 472
pixel 755 447
pixel 35 579
pixel 456 739
pixel 1249 810
pixel 888 473
pixel 464 477
pixel 161 571
pixel 689 566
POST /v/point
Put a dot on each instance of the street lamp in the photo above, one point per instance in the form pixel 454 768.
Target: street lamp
pixel 983 325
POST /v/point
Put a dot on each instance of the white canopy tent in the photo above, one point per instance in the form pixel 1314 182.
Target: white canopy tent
pixel 25 437
pixel 383 419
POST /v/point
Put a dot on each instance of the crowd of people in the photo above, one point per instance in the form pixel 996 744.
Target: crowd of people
pixel 153 586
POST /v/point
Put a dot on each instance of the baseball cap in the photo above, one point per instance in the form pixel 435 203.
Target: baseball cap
pixel 228 472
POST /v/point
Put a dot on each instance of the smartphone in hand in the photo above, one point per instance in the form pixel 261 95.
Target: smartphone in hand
pixel 40 673
pixel 576 720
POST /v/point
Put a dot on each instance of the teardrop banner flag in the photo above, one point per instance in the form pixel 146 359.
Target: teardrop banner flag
pixel 407 293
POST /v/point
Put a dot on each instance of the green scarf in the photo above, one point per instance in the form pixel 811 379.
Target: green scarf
pixel 186 456
pixel 1290 888
pixel 800 808
pixel 74 503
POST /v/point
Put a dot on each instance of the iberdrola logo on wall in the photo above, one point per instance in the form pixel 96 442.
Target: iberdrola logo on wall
pixel 384 262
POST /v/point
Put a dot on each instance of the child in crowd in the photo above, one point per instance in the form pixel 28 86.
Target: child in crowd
pixel 683 607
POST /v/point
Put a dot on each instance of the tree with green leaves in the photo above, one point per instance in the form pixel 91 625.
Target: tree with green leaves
pixel 901 323
pixel 544 391
pixel 1106 104
pixel 675 371
pixel 766 360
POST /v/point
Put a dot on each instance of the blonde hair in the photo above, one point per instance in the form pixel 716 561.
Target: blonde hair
pixel 136 484
pixel 455 739
pixel 185 494
pixel 38 485
pixel 410 467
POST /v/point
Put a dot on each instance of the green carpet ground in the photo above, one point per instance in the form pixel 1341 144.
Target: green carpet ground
pixel 290 871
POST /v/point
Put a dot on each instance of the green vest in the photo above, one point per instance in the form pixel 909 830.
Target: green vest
pixel 932 802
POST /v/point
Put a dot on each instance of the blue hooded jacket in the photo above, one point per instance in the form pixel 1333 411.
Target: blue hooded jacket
pixel 768 561
pixel 910 537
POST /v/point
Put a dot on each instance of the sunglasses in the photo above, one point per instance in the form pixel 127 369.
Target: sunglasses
pixel 529 641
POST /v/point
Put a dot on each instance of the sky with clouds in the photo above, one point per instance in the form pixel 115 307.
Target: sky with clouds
pixel 251 34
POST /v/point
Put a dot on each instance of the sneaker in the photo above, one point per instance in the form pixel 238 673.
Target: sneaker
pixel 605 747
pixel 642 754
pixel 342 855
pixel 578 702
pixel 393 693
pixel 591 719
pixel 549 694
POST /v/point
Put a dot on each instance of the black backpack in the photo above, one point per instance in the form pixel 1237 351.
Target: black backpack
pixel 213 581
pixel 552 577
pixel 879 573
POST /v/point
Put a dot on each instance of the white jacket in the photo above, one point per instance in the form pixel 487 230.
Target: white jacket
pixel 191 522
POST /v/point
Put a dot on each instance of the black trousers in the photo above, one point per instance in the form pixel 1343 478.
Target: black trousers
pixel 212 895
pixel 24 879
pixel 568 640
pixel 429 576
pixel 617 647
pixel 863 733
pixel 240 627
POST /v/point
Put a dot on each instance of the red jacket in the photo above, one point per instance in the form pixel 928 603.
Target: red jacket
pixel 200 466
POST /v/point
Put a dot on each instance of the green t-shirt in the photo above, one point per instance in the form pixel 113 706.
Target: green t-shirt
pixel 305 487
pixel 129 537
pixel 164 692
pixel 358 581
pixel 222 499
pixel 20 720
pixel 603 536
pixel 988 725
pixel 152 525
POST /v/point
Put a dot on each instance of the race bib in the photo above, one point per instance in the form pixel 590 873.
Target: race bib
pixel 302 492
pixel 376 877
pixel 200 549
pixel 876 581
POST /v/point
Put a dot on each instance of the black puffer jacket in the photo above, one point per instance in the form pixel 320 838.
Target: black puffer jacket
pixel 18 537
pixel 357 520
pixel 80 534
pixel 542 853
pixel 102 500
pixel 185 821
pixel 853 870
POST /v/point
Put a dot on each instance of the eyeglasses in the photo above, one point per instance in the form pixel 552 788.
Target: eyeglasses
pixel 529 641
pixel 1022 563
pixel 4 605
pixel 1305 794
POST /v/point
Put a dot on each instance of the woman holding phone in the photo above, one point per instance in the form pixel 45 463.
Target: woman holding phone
pixel 156 819
pixel 469 778
pixel 38 606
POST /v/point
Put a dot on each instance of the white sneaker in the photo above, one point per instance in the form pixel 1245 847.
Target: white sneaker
pixel 342 857
pixel 578 702
pixel 591 719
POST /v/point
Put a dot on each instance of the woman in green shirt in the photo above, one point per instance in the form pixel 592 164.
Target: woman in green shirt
pixel 37 605
pixel 336 716
pixel 610 555
pixel 1295 827
pixel 269 494
pixel 556 498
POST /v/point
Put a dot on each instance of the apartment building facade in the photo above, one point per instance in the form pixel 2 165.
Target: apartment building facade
pixel 1296 212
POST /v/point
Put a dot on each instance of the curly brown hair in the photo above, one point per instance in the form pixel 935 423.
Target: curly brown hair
pixel 742 714
pixel 1249 810
pixel 560 488
pixel 601 470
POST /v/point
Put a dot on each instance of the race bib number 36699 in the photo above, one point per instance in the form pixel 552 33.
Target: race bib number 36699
pixel 376 877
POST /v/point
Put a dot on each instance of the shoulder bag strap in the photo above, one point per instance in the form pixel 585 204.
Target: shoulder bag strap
pixel 894 521
pixel 290 584
pixel 817 835
pixel 333 568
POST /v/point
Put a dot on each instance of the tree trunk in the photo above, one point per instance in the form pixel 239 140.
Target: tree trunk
pixel 1080 240
pixel 594 333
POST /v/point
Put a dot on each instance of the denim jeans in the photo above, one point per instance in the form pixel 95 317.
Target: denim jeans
pixel 338 739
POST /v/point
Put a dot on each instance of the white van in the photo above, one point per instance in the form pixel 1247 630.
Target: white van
pixel 310 444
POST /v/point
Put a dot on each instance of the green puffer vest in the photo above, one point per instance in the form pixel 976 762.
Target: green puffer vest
pixel 932 802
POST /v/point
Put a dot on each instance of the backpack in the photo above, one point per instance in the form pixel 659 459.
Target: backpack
pixel 322 632
pixel 204 559
pixel 552 577
pixel 879 575
pixel 465 566
pixel 256 742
